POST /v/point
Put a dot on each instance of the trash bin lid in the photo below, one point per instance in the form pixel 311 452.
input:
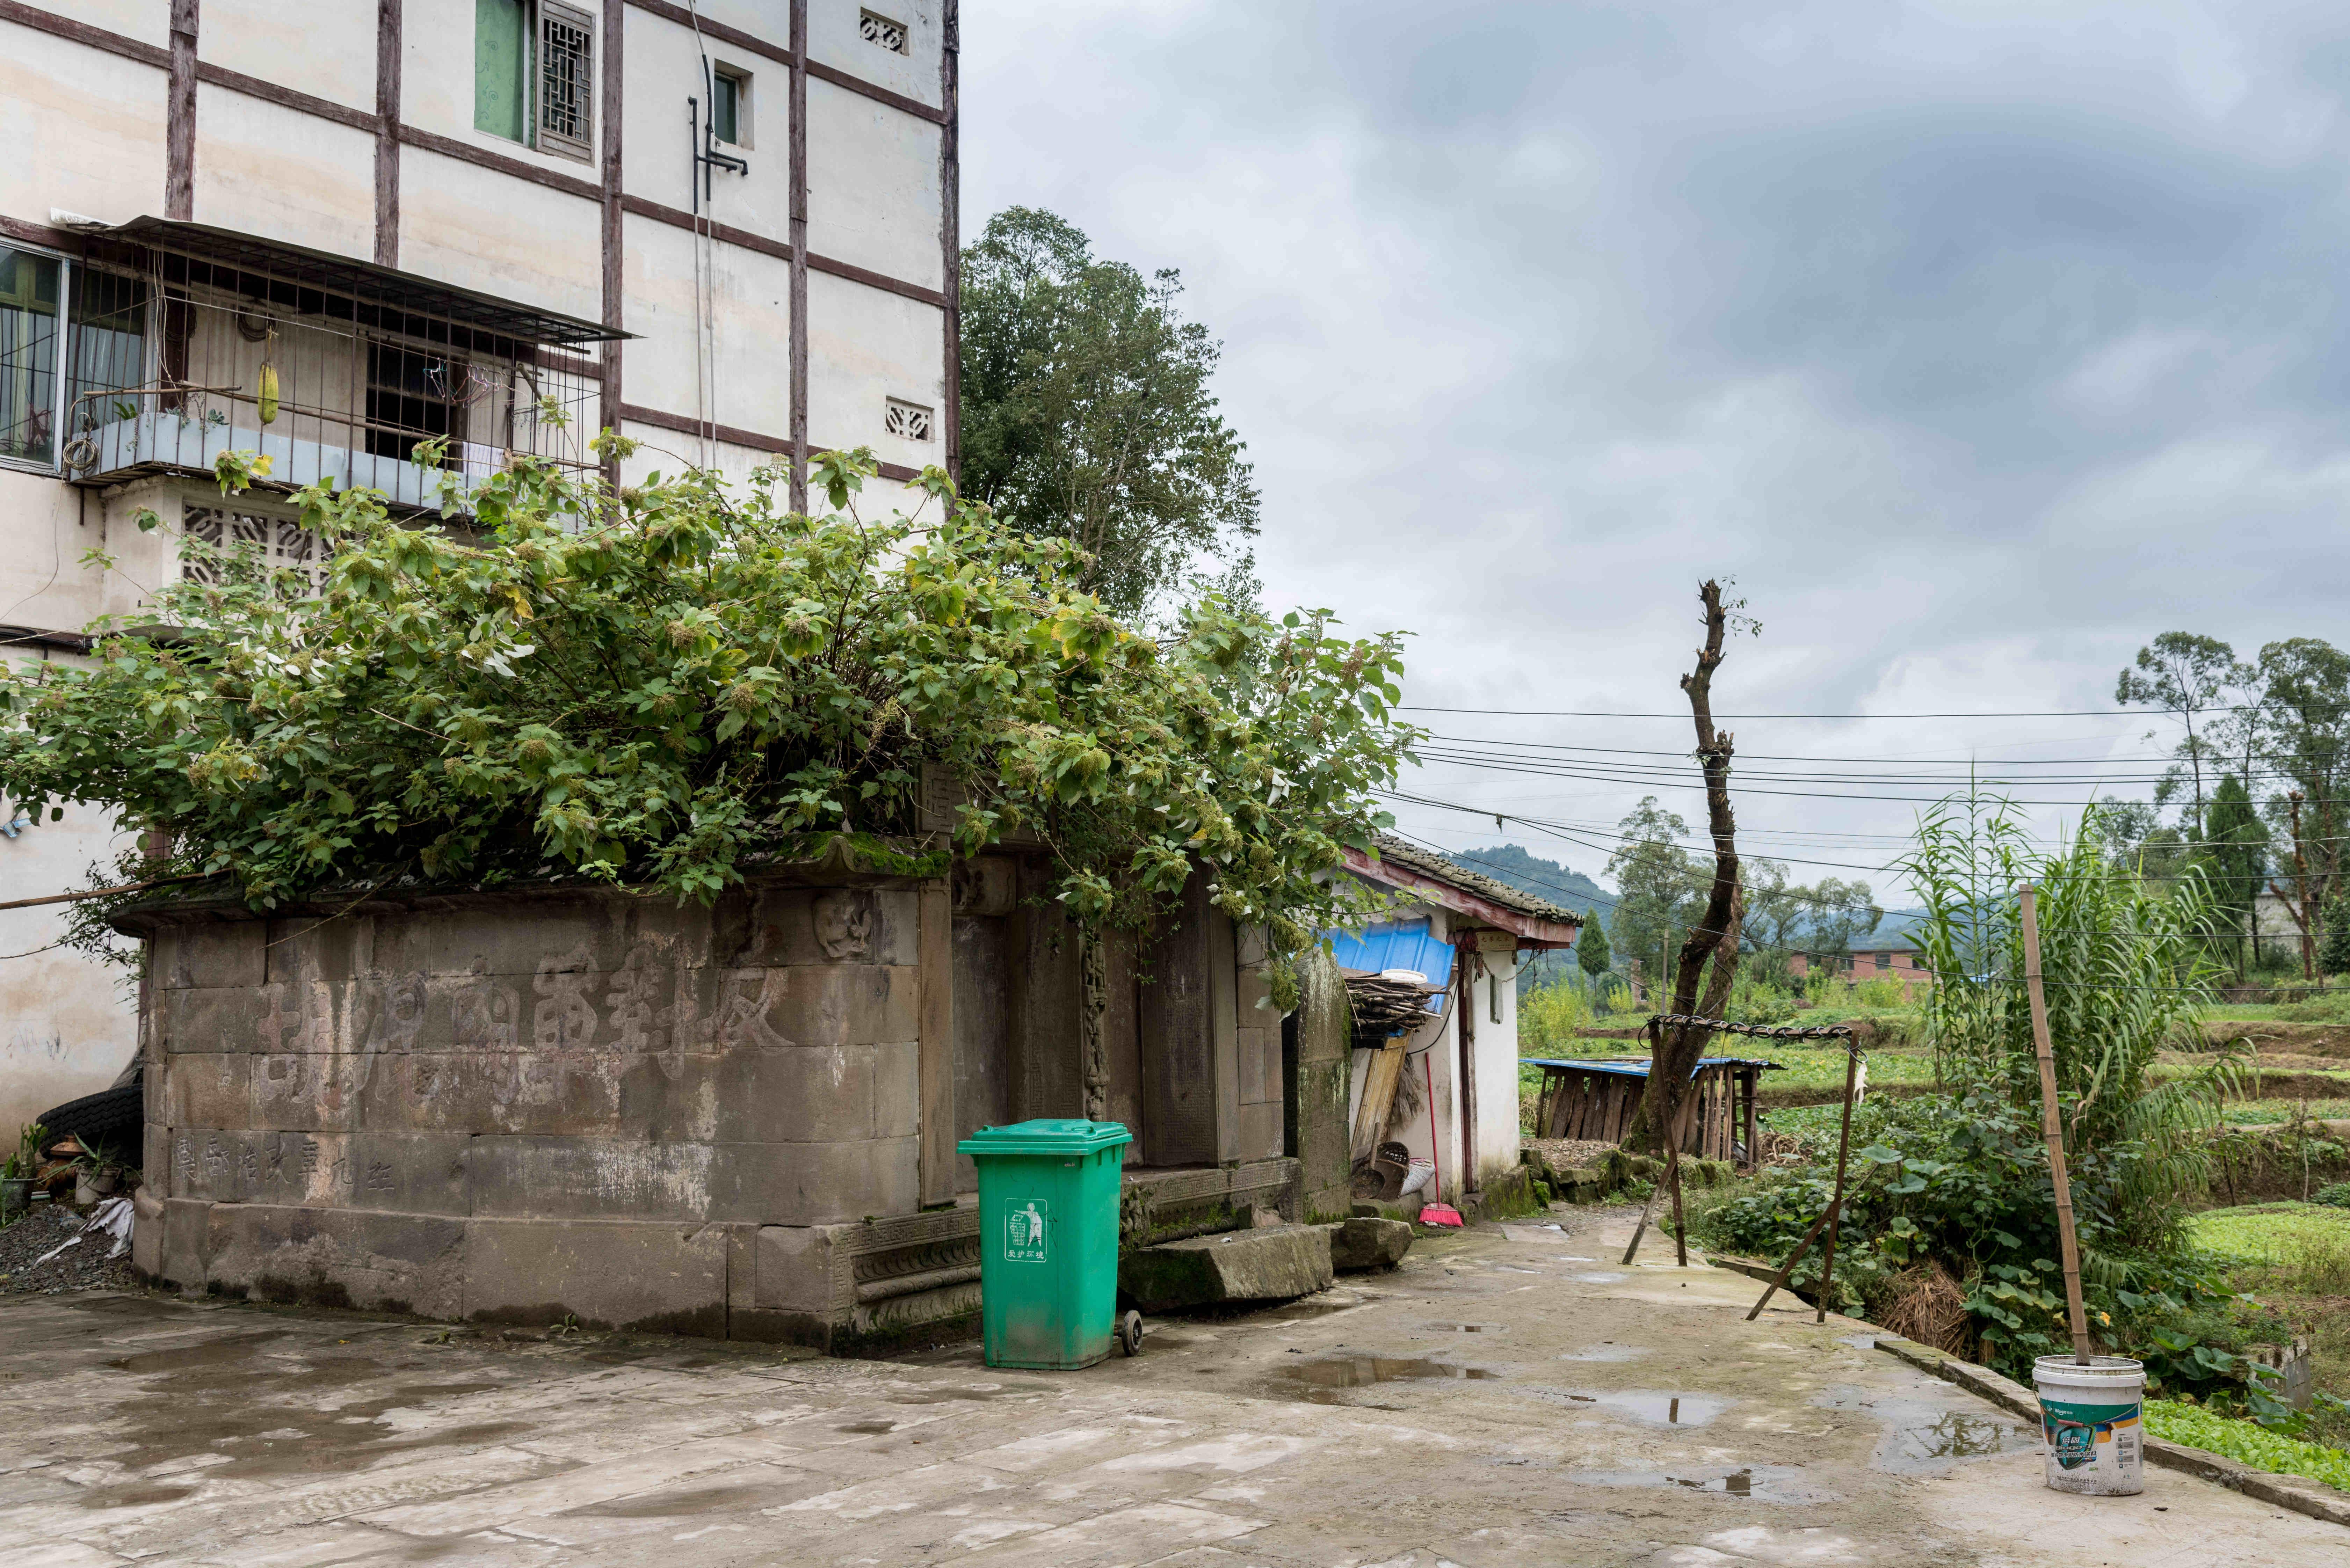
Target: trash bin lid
pixel 1047 1134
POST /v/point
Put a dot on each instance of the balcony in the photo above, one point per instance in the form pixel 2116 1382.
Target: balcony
pixel 186 342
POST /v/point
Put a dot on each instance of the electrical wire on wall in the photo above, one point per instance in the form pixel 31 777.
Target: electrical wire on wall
pixel 705 330
pixel 701 129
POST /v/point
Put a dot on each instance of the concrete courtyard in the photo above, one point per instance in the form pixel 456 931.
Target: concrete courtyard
pixel 1508 1396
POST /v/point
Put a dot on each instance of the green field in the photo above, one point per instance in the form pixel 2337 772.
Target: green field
pixel 2243 1441
pixel 2273 1235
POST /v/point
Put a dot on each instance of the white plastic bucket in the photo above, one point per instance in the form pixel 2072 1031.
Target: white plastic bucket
pixel 2093 1424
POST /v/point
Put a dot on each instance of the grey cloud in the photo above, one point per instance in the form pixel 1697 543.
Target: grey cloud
pixel 1981 344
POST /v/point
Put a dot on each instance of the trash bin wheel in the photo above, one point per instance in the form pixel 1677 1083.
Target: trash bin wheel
pixel 1130 1333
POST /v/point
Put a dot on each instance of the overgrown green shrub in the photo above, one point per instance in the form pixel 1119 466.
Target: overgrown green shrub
pixel 665 684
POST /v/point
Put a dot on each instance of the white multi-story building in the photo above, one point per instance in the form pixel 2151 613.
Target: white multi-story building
pixel 726 228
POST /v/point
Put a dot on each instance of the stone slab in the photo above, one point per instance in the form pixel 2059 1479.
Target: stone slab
pixel 1360 1243
pixel 1274 1265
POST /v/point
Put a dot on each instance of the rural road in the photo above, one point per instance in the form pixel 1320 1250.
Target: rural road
pixel 1508 1396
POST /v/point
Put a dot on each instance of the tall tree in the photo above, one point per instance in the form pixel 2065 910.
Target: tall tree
pixel 1708 954
pixel 2186 675
pixel 2305 741
pixel 2236 853
pixel 1782 914
pixel 1087 413
pixel 1591 948
pixel 1656 879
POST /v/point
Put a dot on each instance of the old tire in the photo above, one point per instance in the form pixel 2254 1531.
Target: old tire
pixel 112 1119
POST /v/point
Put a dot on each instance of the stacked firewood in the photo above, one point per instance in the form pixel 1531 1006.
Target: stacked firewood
pixel 1384 1006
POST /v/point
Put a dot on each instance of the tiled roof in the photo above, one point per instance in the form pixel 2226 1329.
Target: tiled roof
pixel 1429 862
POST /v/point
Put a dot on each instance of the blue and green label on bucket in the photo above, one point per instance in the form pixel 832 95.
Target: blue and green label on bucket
pixel 2075 1430
pixel 1026 1231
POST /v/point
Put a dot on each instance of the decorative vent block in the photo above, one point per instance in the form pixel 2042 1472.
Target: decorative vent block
pixel 274 543
pixel 910 420
pixel 890 35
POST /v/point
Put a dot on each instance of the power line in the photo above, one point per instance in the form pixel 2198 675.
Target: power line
pixel 2140 713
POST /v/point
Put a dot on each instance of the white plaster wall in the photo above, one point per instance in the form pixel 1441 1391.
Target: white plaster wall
pixel 148 21
pixel 866 346
pixel 331 54
pixel 83 128
pixel 873 186
pixel 833 40
pixel 482 229
pixel 750 342
pixel 44 528
pixel 67 1024
pixel 265 170
pixel 663 71
pixel 1496 1049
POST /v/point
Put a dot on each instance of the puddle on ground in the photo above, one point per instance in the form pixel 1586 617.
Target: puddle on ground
pixel 1664 1407
pixel 680 1504
pixel 1325 1377
pixel 1602 1277
pixel 210 1354
pixel 1608 1350
pixel 1767 1483
pixel 1921 1436
pixel 869 1429
pixel 1312 1307
pixel 953 1396
pixel 132 1496
pixel 1466 1327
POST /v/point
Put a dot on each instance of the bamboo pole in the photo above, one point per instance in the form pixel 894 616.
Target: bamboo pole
pixel 1835 1204
pixel 2051 1127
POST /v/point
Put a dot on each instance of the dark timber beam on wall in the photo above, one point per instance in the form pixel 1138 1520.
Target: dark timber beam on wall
pixel 800 294
pixel 386 135
pixel 791 57
pixel 611 228
pixel 66 28
pixel 685 424
pixel 180 116
pixel 951 228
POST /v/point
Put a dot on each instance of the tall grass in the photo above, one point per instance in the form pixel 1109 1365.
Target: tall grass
pixel 2125 973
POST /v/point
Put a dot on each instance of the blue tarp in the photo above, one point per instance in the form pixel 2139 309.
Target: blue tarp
pixel 1636 1067
pixel 1397 944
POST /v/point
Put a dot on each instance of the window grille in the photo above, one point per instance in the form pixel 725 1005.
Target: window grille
pixel 890 35
pixel 567 81
pixel 910 420
pixel 275 542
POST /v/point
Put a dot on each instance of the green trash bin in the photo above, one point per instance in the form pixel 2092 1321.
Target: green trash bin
pixel 1048 1194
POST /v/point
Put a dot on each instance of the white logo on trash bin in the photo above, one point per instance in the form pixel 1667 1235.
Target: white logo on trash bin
pixel 1024 1232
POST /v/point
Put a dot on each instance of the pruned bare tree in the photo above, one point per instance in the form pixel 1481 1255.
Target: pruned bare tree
pixel 1699 989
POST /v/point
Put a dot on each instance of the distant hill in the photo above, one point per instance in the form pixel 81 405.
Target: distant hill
pixel 1528 873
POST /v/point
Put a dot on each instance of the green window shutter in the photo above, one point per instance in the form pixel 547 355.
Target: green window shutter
pixel 502 69
pixel 726 109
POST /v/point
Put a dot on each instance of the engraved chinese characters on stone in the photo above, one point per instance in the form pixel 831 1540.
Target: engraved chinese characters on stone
pixel 751 995
pixel 563 1017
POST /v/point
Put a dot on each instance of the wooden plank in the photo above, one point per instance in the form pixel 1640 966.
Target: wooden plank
pixel 289 97
pixel 1381 1075
pixel 934 950
pixel 725 233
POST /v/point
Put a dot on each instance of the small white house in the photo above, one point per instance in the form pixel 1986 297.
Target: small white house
pixel 1447 1089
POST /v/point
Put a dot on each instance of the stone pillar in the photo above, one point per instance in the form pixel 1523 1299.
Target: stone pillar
pixel 1324 1060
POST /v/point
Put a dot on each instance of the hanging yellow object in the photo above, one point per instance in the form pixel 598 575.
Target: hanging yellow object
pixel 269 392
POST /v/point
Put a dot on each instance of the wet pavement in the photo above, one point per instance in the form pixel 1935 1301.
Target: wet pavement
pixel 1492 1401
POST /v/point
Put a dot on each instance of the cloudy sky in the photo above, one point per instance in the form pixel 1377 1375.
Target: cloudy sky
pixel 1978 342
